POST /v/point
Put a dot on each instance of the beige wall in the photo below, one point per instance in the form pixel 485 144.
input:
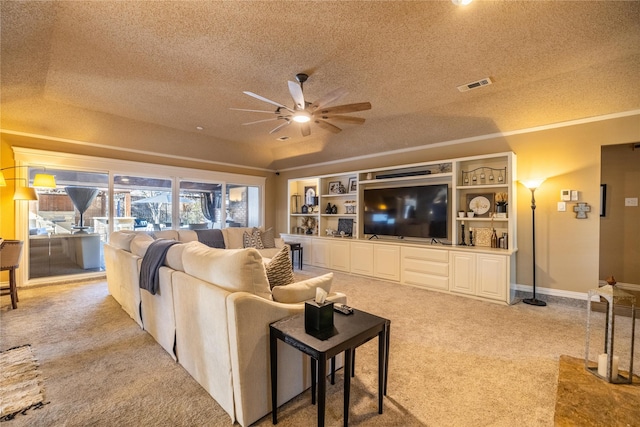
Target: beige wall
pixel 620 227
pixel 567 249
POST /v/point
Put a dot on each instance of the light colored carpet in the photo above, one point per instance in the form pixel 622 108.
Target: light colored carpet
pixel 454 361
pixel 20 385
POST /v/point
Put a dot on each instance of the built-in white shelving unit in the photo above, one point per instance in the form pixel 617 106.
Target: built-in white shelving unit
pixel 452 265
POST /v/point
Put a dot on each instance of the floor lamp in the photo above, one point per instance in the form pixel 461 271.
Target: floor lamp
pixel 532 185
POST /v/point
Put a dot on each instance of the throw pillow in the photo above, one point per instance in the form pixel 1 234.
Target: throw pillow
pixel 252 240
pixel 302 291
pixel 268 238
pixel 279 269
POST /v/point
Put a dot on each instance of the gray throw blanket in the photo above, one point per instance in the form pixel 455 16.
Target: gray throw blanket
pixel 151 262
pixel 211 237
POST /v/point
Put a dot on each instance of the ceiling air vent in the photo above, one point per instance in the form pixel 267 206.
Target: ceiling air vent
pixel 474 85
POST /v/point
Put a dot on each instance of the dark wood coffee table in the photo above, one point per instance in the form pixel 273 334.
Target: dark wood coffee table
pixel 349 332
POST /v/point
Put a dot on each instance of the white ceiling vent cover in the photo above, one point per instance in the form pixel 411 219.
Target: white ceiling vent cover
pixel 474 85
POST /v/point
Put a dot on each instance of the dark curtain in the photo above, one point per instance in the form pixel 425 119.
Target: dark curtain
pixel 209 202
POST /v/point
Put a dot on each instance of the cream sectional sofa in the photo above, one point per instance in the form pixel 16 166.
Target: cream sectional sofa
pixel 212 314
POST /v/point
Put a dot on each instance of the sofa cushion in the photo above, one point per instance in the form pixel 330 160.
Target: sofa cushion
pixel 187 236
pixel 231 269
pixel 140 243
pixel 174 256
pixel 279 269
pixel 268 238
pixel 167 234
pixel 251 239
pixel 122 239
pixel 233 237
pixel 302 291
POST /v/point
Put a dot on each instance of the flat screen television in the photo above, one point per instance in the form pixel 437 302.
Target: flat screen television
pixel 419 211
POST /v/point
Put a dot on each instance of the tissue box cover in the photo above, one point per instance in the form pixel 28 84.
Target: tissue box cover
pixel 318 317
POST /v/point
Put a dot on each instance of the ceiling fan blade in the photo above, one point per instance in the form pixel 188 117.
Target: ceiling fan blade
pixel 254 111
pixel 261 121
pixel 329 98
pixel 347 108
pixel 328 126
pixel 345 119
pixel 262 98
pixel 296 94
pixel 306 129
pixel 277 128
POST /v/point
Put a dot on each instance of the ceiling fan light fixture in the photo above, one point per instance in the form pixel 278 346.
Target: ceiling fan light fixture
pixel 302 117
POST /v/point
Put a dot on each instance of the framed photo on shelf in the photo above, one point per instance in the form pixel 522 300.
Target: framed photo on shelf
pixel 309 195
pixel 481 204
pixel 334 187
pixel 353 185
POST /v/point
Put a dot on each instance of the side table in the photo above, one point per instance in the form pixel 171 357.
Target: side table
pixel 296 248
pixel 349 332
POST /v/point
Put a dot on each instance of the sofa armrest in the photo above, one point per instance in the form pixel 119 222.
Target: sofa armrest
pixel 249 317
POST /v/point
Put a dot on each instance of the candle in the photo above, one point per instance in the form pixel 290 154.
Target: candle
pixel 462 222
pixel 602 366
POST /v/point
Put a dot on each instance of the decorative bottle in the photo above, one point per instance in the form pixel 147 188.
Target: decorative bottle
pixel 494 239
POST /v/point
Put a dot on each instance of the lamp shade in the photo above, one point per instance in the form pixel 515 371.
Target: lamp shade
pixel 532 184
pixel 25 193
pixel 44 180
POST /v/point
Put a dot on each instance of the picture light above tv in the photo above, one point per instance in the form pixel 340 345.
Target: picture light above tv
pixel 411 211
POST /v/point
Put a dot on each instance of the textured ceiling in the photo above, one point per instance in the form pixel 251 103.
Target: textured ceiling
pixel 143 75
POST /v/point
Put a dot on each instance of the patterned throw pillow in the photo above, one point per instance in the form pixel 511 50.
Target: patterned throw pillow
pixel 268 238
pixel 252 240
pixel 279 269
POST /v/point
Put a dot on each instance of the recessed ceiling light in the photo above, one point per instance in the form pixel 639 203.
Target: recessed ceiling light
pixel 199 128
pixel 461 2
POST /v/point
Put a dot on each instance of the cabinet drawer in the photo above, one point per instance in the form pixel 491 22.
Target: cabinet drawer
pixel 427 267
pixel 425 280
pixel 426 254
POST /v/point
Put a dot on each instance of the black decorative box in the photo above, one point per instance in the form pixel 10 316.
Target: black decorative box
pixel 318 317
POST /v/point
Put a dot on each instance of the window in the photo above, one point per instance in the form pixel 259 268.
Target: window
pixel 243 206
pixel 129 196
pixel 141 203
pixel 200 205
pixel 62 238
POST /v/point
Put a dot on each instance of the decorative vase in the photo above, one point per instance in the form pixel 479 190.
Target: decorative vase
pixel 501 207
pixel 334 209
pixel 494 239
pixel 328 208
pixel 309 231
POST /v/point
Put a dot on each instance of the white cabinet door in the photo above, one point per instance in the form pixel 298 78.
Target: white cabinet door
pixel 462 272
pixel 321 257
pixel 339 252
pixel 386 262
pixel 491 276
pixel 362 258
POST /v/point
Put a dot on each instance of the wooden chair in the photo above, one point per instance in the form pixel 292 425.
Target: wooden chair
pixel 10 253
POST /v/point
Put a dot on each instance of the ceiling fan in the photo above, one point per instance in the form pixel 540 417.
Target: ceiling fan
pixel 305 112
